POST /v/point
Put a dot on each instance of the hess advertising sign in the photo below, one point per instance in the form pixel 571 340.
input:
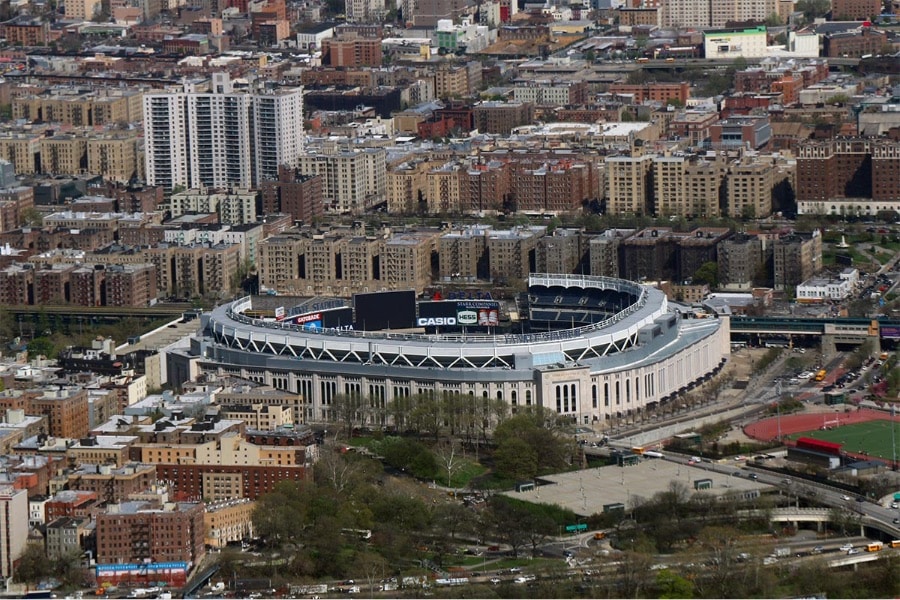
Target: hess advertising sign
pixel 467 317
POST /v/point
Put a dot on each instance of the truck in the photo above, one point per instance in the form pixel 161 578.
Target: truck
pixel 781 552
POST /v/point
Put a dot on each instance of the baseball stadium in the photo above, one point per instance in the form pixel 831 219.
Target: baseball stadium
pixel 592 349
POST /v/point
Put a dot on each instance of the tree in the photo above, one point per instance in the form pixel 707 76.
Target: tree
pixel 342 472
pixel 31 217
pixel 450 459
pixel 33 566
pixel 509 522
pixel 708 273
pixel 813 9
pixel 348 410
pixel 426 414
pixel 773 20
pixel 673 585
pixel 67 568
pixel 452 518
pixel 41 346
pixel 408 455
pixel 516 459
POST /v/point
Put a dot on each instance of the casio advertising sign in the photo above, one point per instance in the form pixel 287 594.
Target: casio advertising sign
pixel 435 321
pixel 467 317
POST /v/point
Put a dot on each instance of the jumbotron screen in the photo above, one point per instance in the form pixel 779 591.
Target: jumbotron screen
pixel 385 310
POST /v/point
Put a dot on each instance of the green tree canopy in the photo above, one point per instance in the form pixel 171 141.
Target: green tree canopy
pixel 708 273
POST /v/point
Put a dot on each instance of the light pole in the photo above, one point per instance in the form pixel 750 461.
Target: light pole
pixel 893 442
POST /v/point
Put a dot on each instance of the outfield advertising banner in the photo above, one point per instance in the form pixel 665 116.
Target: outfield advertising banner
pixel 336 318
pixel 437 314
pixel 480 313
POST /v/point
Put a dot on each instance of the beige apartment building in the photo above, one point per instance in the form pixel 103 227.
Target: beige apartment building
pixel 406 262
pixel 279 263
pixel 703 13
pixel 262 417
pixel 234 207
pixel 82 9
pixel 63 154
pixel 13 528
pixel 194 270
pixel 264 396
pixel 22 150
pixel 405 183
pixel 442 188
pixel 68 106
pixel 228 521
pixel 509 252
pixel 704 182
pixel 460 253
pixel 359 259
pixel 352 180
pixel 114 156
pixel 629 184
pixel 749 188
pixel 321 250
pixel 450 82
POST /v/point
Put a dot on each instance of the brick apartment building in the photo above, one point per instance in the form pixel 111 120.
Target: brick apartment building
pixel 660 254
pixel 70 503
pixel 139 532
pixel 66 409
pixel 294 194
pixel 656 92
pixel 351 50
pixel 855 44
pixel 501 117
pixel 859 168
pixel 797 257
pixel 855 10
pixel 222 482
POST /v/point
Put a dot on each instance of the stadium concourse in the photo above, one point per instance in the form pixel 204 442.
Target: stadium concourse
pixel 593 349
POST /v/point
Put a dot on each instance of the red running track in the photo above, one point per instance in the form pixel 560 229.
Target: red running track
pixel 767 429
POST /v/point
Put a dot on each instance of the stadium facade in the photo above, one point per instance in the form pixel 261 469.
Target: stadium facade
pixel 606 349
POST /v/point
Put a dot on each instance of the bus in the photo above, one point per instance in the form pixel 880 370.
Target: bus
pixel 820 375
pixel 895 544
pixel 874 547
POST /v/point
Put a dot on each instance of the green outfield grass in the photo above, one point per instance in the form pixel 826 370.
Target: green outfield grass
pixel 871 437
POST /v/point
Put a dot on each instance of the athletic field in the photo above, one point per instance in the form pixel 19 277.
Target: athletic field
pixel 870 439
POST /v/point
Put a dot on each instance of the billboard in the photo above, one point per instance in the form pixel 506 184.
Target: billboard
pixel 437 314
pixel 480 313
pixel 336 318
pixel 308 321
pixel 385 310
pixel 169 573
pixel 890 332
